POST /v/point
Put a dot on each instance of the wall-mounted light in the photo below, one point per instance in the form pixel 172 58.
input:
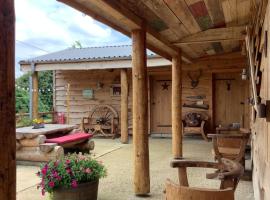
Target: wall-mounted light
pixel 244 75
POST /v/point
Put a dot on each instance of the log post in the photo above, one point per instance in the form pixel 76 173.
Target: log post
pixel 7 101
pixel 124 106
pixel 140 113
pixel 35 95
pixel 177 107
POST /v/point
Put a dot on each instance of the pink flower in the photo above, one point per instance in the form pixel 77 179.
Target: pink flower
pixel 74 184
pixel 68 171
pixel 67 161
pixel 88 170
pixel 55 174
pixel 51 184
pixel 44 170
pixel 56 163
pixel 43 192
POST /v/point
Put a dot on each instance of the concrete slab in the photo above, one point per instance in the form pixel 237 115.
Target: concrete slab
pixel 118 159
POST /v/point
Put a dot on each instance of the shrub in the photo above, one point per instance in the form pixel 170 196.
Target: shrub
pixel 69 171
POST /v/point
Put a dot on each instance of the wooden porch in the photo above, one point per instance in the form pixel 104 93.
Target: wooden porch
pixel 194 35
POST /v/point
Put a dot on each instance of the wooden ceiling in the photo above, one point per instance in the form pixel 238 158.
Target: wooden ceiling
pixel 199 27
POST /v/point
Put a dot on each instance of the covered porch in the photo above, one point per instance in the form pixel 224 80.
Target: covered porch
pixel 192 35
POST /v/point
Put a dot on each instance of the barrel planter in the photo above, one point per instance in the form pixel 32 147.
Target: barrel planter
pixel 84 191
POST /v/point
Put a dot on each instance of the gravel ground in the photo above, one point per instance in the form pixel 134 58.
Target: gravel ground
pixel 118 159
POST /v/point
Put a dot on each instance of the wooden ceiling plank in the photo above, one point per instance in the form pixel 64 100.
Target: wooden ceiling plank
pixel 230 12
pixel 215 35
pixel 200 13
pixel 182 12
pixel 162 11
pixel 216 13
pixel 243 12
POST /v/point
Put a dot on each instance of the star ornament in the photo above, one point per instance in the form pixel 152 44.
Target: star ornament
pixel 165 86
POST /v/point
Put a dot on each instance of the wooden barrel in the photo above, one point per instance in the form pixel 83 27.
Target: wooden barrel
pixel 84 191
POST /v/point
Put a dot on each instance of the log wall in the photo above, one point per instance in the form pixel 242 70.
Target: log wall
pixel 261 128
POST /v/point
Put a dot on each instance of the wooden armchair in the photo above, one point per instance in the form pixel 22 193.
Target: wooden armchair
pixel 228 171
pixel 194 123
pixel 231 146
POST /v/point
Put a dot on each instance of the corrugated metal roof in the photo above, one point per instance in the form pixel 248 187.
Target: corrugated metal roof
pixel 87 54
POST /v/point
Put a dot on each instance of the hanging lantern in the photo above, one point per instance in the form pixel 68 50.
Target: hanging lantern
pixel 244 74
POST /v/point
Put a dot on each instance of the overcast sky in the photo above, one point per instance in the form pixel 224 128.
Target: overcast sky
pixel 44 26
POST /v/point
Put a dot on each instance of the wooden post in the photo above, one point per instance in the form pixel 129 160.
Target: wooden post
pixel 35 95
pixel 177 107
pixel 124 106
pixel 140 113
pixel 7 101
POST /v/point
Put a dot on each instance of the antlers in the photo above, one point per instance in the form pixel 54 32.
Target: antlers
pixel 195 82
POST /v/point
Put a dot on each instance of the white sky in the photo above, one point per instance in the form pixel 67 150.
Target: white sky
pixel 44 26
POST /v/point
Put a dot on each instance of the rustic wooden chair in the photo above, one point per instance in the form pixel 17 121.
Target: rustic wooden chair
pixel 230 145
pixel 228 171
pixel 102 120
pixel 194 123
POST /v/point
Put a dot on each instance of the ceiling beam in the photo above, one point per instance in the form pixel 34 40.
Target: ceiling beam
pixel 215 35
pixel 119 18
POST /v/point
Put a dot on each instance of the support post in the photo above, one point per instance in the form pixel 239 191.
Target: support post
pixel 177 107
pixel 7 101
pixel 124 106
pixel 35 94
pixel 140 113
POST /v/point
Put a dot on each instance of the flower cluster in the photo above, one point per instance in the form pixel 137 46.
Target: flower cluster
pixel 38 121
pixel 69 171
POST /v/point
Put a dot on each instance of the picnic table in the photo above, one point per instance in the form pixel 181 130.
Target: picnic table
pixel 33 145
pixel 29 133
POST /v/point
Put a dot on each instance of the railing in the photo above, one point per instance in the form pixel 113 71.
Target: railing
pixel 22 119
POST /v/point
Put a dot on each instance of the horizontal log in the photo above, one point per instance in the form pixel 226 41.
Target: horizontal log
pixel 47 147
pixel 35 154
pixel 33 142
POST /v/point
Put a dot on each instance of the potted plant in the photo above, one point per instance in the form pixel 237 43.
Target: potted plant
pixel 38 123
pixel 73 177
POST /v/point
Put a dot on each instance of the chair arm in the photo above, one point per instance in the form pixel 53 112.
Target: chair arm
pixel 193 163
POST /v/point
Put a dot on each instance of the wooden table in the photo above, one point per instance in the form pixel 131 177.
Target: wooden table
pixel 29 132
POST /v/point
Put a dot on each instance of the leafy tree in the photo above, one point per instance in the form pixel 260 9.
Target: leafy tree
pixel 76 44
pixel 45 81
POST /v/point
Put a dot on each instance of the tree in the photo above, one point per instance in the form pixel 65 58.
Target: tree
pixel 45 81
pixel 76 44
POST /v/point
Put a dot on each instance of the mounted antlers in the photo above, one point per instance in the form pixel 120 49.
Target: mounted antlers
pixel 195 81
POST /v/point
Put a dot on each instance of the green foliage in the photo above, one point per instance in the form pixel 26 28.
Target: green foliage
pixel 76 44
pixel 70 171
pixel 24 121
pixel 45 81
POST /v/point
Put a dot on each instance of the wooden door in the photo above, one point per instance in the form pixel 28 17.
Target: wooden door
pixel 230 103
pixel 161 111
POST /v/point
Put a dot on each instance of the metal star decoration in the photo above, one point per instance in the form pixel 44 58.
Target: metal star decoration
pixel 165 86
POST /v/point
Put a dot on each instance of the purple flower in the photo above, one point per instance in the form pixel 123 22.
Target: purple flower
pixel 74 184
pixel 55 174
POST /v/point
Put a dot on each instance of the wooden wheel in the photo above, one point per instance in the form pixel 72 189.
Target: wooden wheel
pixel 103 120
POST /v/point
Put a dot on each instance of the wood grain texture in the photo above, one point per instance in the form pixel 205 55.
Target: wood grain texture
pixel 7 101
pixel 35 95
pixel 177 149
pixel 140 114
pixel 124 106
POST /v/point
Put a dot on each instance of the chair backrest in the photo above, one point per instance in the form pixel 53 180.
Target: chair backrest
pixel 177 192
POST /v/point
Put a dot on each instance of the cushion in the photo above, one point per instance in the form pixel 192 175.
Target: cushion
pixel 69 138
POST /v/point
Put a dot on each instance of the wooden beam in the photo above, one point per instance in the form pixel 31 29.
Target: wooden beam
pixel 140 113
pixel 124 106
pixel 35 95
pixel 7 101
pixel 121 19
pixel 177 107
pixel 215 35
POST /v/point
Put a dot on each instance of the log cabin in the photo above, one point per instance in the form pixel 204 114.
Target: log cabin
pixel 218 40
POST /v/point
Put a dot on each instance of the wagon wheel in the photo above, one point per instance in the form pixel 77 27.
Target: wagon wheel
pixel 104 120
